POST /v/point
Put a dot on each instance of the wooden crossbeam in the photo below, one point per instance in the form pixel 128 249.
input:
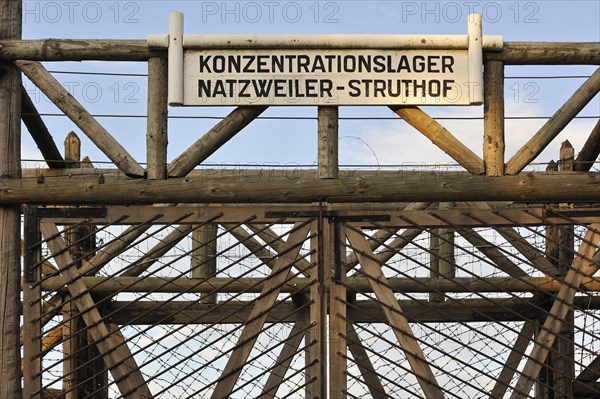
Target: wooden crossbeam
pixel 500 260
pixel 364 364
pixel 284 360
pixel 39 132
pixel 590 151
pixel 206 145
pixel 441 137
pixel 582 266
pixel 112 347
pixel 394 315
pixel 80 117
pixel 259 313
pixel 553 126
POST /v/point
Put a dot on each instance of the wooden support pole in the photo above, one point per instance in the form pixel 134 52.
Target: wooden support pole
pixel 204 255
pixel 554 125
pixel 259 314
pixel 395 317
pixel 112 347
pixel 10 216
pixel 328 142
pixel 82 118
pixel 206 145
pixel 157 124
pixel 434 262
pixel 39 132
pixel 441 137
pixel 447 261
pixel 316 355
pixel 590 151
pixel 493 118
pixel 357 188
pixel 582 266
pixel 335 262
pixel 364 364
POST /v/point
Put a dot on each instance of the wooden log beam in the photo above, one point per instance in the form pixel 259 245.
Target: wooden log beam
pixel 113 285
pixel 590 151
pixel 513 53
pixel 364 364
pixel 39 132
pixel 157 122
pixel 80 117
pixel 10 216
pixel 394 315
pixel 546 53
pixel 206 145
pixel 584 265
pixel 441 137
pixel 530 187
pixel 553 126
pixel 114 350
pixel 328 142
pixel 258 315
pixel 203 262
pixel 493 118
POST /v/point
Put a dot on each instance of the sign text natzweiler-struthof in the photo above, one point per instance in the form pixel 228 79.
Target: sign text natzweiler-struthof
pixel 336 77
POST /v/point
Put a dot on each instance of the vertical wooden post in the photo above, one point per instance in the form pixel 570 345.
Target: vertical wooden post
pixel 336 255
pixel 493 119
pixel 564 364
pixel 434 261
pixel 328 142
pixel 445 254
pixel 204 259
pixel 157 126
pixel 10 216
pixel 313 355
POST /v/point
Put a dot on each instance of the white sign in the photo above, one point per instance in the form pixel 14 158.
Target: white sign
pixel 327 77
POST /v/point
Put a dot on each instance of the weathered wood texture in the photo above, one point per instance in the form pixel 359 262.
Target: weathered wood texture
pixel 39 132
pixel 554 125
pixel 10 216
pixel 82 118
pixel 113 348
pixel 206 145
pixel 157 123
pixel 204 256
pixel 584 265
pixel 328 142
pixel 305 188
pixel 513 53
pixel 441 137
pixel 590 151
pixel 493 119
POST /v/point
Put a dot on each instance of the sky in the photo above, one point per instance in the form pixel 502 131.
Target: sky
pixel 288 135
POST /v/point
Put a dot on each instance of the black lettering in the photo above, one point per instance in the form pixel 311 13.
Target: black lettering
pixel 379 88
pixel 303 62
pixel 354 86
pixel 248 67
pixel 447 63
pixel 311 87
pixel 244 87
pixel 262 87
pixel 432 64
pixel 379 62
pixel 280 88
pixel 261 62
pixel 204 88
pixel 218 64
pixel 219 89
pixel 204 66
pixel 435 88
pixel 447 86
pixel 418 63
pixel 326 87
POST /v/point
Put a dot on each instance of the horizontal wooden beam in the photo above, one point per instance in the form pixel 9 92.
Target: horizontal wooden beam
pixel 464 310
pixel 114 285
pixel 307 188
pixel 513 53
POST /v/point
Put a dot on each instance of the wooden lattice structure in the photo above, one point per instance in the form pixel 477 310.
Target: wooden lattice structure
pixel 167 281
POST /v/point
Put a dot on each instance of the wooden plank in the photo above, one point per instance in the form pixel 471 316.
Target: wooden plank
pixel 363 362
pixel 10 216
pixel 114 350
pixel 316 355
pixel 582 266
pixel 529 187
pixel 590 151
pixel 493 118
pixel 80 117
pixel 434 262
pixel 328 142
pixel 259 313
pixel 553 126
pixel 441 138
pixel 531 253
pixel 204 256
pixel 284 360
pixel 214 139
pixel 395 317
pixel 157 122
pixel 39 132
pixel 513 360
